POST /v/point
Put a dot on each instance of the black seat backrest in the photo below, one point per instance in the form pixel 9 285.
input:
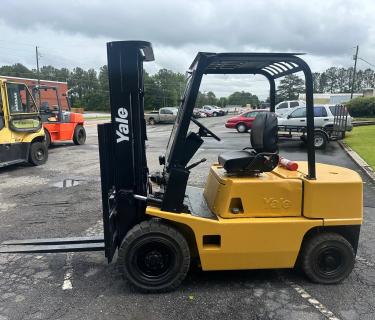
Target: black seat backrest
pixel 263 136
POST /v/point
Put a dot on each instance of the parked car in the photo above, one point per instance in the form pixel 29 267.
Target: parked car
pixel 244 121
pixel 213 111
pixel 285 106
pixel 323 117
pixel 197 113
pixel 163 115
pixel 264 105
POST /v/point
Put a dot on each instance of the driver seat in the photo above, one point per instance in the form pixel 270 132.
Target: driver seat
pixel 262 157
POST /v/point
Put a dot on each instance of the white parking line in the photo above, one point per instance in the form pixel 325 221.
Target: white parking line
pixel 68 275
pixel 365 261
pixel 313 301
pixel 67 284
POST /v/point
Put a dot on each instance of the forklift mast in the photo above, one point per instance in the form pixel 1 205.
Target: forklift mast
pixel 123 163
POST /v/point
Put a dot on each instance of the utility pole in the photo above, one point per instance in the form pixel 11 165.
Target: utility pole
pixel 355 58
pixel 37 71
pixel 37 64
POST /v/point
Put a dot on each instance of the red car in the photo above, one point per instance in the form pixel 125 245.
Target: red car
pixel 244 121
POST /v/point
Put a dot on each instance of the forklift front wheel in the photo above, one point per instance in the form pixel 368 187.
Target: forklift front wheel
pixel 327 258
pixel 154 257
pixel 38 154
pixel 79 136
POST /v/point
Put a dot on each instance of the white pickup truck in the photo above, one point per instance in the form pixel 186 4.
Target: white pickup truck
pixel 163 115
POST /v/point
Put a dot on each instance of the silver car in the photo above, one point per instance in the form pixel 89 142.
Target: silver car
pixel 323 117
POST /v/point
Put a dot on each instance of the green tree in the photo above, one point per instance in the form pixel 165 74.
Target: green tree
pixel 17 70
pixel 170 87
pixel 104 87
pixel 223 101
pixel 242 98
pixel 289 88
pixel 153 93
pixel 76 81
pixel 316 81
pixel 211 98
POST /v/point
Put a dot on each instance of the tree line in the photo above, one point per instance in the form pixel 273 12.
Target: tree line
pixel 90 88
pixel 332 80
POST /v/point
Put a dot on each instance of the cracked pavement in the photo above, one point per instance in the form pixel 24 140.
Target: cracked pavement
pixel 33 205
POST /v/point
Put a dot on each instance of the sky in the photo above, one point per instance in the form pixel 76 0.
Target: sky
pixel 74 33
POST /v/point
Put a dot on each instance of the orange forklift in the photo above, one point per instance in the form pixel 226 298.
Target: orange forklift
pixel 59 124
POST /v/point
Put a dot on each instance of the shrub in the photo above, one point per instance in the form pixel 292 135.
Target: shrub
pixel 362 107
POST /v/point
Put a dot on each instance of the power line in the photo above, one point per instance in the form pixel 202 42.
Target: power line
pixel 373 65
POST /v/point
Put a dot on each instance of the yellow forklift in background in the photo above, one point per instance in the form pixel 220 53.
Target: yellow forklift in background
pixel 22 137
pixel 252 213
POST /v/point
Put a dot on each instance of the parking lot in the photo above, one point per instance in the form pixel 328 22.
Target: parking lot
pixel 62 198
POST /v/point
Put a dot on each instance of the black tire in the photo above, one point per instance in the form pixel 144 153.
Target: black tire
pixel 151 121
pixel 48 138
pixel 154 257
pixel 241 128
pixel 215 114
pixel 327 258
pixel 320 140
pixel 38 153
pixel 79 135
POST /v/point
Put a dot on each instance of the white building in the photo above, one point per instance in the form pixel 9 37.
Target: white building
pixel 330 98
pixel 369 92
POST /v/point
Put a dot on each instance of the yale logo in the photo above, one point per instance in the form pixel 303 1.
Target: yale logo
pixel 122 131
pixel 274 203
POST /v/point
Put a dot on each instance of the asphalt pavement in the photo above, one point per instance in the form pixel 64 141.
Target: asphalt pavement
pixel 62 198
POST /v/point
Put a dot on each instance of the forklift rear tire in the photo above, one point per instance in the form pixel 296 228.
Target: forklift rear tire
pixel 79 136
pixel 327 258
pixel 38 153
pixel 48 138
pixel 154 257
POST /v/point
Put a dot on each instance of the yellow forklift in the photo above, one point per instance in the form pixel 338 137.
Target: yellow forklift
pixel 252 213
pixel 22 136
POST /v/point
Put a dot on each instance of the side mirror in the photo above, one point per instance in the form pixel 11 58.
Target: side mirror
pixel 289 116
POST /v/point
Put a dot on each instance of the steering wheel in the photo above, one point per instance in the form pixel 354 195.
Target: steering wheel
pixel 203 131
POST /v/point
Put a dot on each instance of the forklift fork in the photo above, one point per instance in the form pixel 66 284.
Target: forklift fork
pixel 53 245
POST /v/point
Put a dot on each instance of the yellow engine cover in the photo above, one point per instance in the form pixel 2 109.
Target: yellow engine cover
pixel 266 195
pixel 336 195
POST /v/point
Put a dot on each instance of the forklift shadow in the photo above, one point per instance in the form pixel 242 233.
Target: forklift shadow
pixel 198 280
pixel 14 167
pixel 58 145
pixel 234 278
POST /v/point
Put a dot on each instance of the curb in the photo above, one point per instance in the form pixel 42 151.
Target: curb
pixel 362 123
pixel 358 160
